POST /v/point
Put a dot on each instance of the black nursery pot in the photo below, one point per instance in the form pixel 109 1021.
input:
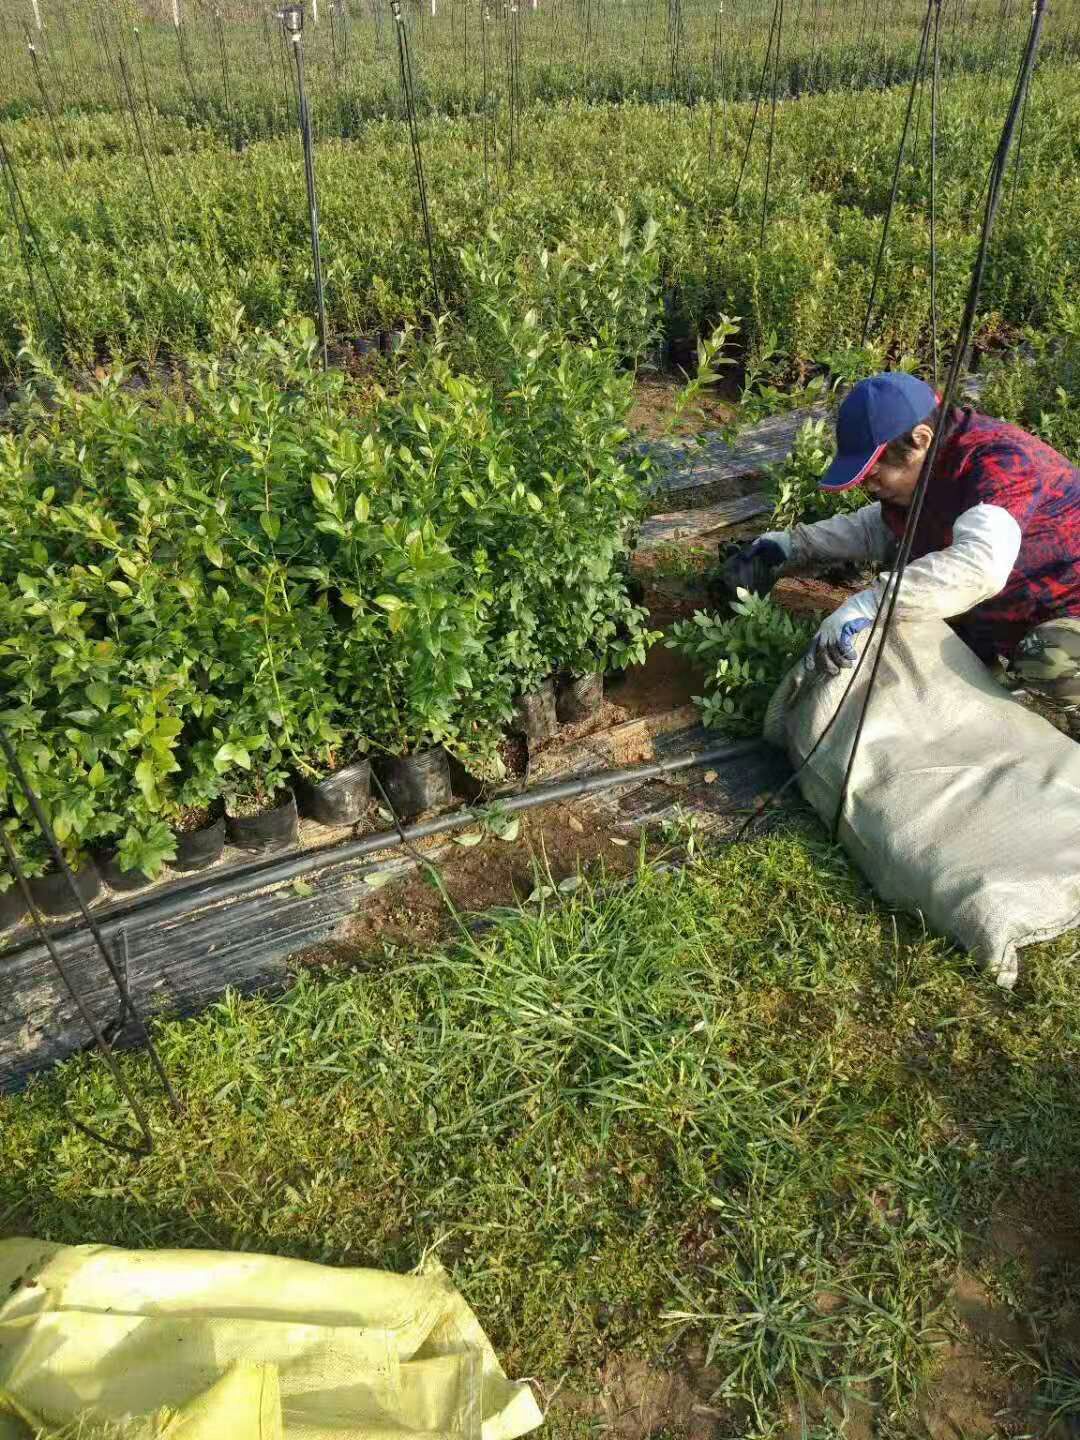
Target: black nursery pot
pixel 415 783
pixel 465 785
pixel 365 346
pixel 272 829
pixel 118 879
pixel 579 698
pixel 198 849
pixel 12 908
pixel 340 799
pixel 52 896
pixel 534 713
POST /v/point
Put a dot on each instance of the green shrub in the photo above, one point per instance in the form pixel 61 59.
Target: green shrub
pixel 793 486
pixel 1040 390
pixel 746 654
pixel 265 569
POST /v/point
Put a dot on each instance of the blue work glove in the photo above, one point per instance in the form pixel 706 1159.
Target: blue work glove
pixel 833 647
pixel 757 565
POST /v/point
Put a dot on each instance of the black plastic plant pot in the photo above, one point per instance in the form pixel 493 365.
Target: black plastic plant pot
pixel 340 799
pixel 415 783
pixel 272 829
pixel 199 849
pixel 465 785
pixel 12 907
pixel 391 341
pixel 53 897
pixel 116 877
pixel 579 698
pixel 534 713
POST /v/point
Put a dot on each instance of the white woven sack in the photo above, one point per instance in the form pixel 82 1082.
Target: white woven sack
pixel 963 805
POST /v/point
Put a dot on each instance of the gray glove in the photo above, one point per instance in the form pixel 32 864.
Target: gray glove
pixel 757 565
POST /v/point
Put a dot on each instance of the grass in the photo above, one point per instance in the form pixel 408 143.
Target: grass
pixel 735 1106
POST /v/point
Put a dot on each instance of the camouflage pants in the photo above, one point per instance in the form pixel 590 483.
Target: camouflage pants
pixel 1047 662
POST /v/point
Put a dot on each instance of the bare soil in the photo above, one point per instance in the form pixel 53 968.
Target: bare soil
pixel 556 840
pixel 654 401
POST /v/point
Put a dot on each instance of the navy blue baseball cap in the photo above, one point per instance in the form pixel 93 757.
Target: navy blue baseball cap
pixel 875 412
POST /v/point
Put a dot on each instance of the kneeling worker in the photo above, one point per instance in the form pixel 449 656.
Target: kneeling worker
pixel 997 547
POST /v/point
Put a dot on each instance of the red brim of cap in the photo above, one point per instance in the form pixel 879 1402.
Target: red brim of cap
pixel 847 471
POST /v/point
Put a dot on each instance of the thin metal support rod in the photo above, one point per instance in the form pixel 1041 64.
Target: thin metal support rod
pixel 772 123
pixel 405 69
pixel 185 63
pixel 23 251
pixel 935 74
pixel 15 765
pixel 884 617
pixel 956 369
pixel 142 146
pixel 293 20
pixel 757 101
pixel 150 110
pixel 45 100
pixel 223 54
pixel 31 232
pixel 147 1145
pixel 916 80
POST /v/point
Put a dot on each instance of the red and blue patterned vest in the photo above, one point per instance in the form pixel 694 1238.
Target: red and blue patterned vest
pixel 982 460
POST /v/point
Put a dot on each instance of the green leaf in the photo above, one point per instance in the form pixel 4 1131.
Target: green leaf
pixel 362 509
pixel 271 524
pixel 214 553
pixel 322 489
pixel 390 603
pixel 96 777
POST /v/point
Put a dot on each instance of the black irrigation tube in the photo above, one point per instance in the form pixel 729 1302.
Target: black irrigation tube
pixel 236 880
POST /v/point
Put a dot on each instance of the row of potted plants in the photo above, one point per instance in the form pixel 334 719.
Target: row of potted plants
pixel 412 784
pixel 267 576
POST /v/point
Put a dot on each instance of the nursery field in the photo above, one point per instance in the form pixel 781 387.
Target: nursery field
pixel 718 1147
pixel 206 243
pixel 225 67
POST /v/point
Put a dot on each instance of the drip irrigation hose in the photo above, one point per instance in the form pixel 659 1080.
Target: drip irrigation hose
pixel 916 80
pixel 236 880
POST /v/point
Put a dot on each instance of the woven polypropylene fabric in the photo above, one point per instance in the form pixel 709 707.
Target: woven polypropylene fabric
pixel 281 1347
pixel 963 805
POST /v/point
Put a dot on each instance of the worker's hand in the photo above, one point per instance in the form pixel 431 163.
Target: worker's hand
pixel 757 565
pixel 833 647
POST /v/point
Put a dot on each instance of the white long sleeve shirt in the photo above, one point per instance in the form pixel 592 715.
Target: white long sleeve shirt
pixel 949 582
